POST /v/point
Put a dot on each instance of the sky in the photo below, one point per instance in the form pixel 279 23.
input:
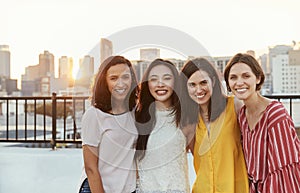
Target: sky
pixel 73 27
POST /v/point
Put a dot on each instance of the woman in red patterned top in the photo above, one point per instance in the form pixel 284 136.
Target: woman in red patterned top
pixel 270 142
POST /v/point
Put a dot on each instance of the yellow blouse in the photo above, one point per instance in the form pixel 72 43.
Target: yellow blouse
pixel 218 156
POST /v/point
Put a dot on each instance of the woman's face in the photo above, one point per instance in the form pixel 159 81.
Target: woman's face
pixel 242 81
pixel 161 84
pixel 200 87
pixel 119 81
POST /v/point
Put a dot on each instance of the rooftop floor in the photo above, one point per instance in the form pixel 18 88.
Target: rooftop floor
pixel 42 170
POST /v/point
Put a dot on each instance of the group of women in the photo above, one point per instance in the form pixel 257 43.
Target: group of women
pixel 136 136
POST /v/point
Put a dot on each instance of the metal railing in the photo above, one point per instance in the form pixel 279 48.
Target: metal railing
pixel 52 119
pixel 57 119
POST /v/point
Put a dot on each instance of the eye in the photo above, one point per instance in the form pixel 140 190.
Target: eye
pixel 113 78
pixel 232 77
pixel 204 82
pixel 153 79
pixel 191 84
pixel 126 77
pixel 168 77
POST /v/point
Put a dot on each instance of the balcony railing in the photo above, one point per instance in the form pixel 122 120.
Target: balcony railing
pixel 57 119
pixel 53 119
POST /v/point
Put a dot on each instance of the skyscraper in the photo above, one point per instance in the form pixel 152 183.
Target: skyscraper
pixel 85 72
pixel 149 54
pixel 65 67
pixel 86 67
pixel 106 49
pixel 46 64
pixel 4 61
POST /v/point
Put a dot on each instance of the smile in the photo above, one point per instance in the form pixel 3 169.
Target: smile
pixel 161 92
pixel 200 96
pixel 120 91
pixel 241 90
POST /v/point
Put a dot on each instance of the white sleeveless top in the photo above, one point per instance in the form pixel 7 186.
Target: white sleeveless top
pixel 164 169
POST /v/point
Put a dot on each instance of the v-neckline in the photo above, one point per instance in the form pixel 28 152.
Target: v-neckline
pixel 258 122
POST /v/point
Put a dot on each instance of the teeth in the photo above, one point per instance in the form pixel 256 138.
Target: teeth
pixel 200 96
pixel 161 92
pixel 120 91
pixel 241 90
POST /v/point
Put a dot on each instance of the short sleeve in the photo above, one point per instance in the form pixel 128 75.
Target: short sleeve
pixel 91 128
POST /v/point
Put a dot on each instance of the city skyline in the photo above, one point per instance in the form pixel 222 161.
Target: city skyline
pixel 73 28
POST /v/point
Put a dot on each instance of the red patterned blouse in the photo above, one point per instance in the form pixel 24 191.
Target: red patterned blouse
pixel 272 151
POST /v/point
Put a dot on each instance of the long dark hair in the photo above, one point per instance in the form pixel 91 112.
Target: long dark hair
pixel 145 112
pixel 101 96
pixel 217 102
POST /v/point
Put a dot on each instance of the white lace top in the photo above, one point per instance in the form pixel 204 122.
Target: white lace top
pixel 164 168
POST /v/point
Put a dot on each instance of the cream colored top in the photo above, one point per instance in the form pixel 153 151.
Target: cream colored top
pixel 164 167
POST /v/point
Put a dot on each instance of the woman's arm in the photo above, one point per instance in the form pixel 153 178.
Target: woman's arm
pixel 90 157
pixel 189 132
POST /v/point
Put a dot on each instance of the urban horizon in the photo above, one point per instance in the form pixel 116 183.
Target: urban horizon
pixel 65 67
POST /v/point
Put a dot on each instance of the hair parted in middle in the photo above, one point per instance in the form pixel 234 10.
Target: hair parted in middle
pixel 217 102
pixel 145 112
pixel 101 96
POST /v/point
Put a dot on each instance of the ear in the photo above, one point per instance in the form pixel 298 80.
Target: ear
pixel 258 79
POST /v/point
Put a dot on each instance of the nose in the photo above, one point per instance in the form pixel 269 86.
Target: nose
pixel 239 81
pixel 198 88
pixel 120 82
pixel 160 82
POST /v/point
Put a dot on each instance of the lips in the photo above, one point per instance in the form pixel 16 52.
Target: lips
pixel 161 92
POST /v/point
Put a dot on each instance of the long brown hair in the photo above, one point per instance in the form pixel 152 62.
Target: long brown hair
pixel 101 96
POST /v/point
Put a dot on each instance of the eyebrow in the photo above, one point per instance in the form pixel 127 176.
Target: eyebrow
pixel 119 74
pixel 163 75
pixel 230 74
pixel 197 81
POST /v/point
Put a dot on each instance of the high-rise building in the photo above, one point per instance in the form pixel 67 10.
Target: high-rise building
pixel 294 57
pixel 86 67
pixel 274 51
pixel 106 49
pixel 31 73
pixel 277 50
pixel 46 64
pixel 37 77
pixel 220 62
pixel 4 61
pixel 65 67
pixel 286 69
pixel 85 72
pixel 149 54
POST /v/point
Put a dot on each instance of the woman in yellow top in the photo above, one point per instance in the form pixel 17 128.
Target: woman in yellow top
pixel 218 157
